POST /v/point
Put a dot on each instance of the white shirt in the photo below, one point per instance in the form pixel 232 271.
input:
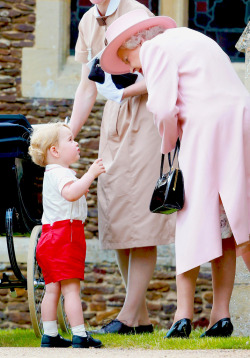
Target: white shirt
pixel 55 207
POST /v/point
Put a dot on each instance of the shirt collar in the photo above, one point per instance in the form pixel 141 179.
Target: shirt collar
pixel 113 5
pixel 55 166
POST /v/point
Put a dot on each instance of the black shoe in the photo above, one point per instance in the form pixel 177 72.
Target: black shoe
pixel 144 329
pixel 222 328
pixel 52 342
pixel 115 326
pixel 85 342
pixel 181 329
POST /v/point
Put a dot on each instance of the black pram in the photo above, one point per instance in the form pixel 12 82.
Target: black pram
pixel 20 189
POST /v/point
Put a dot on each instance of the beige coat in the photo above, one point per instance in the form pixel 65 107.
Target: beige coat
pixel 130 148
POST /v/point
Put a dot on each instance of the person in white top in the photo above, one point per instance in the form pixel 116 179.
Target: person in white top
pixel 61 248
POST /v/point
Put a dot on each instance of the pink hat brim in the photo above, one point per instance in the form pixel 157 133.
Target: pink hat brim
pixel 110 62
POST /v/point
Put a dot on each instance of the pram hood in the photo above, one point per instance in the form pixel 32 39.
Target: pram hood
pixel 14 136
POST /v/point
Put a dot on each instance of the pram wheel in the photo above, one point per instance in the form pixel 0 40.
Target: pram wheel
pixel 10 216
pixel 35 282
pixel 36 288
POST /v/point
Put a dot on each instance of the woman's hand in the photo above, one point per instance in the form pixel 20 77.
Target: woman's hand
pixel 97 168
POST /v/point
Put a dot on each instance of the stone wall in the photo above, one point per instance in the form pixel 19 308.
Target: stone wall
pixel 103 294
pixel 17 25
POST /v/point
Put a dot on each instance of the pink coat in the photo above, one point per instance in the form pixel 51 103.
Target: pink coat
pixel 194 92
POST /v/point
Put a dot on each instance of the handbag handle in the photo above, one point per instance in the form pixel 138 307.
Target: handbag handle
pixel 176 150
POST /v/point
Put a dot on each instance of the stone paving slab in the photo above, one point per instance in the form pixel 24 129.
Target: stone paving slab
pixel 119 353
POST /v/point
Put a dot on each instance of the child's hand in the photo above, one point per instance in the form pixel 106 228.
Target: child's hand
pixel 97 168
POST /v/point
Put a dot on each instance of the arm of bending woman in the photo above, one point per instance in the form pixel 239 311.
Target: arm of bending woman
pixel 136 89
pixel 84 100
pixel 162 77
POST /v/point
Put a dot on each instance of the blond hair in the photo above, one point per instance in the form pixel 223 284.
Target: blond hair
pixel 42 139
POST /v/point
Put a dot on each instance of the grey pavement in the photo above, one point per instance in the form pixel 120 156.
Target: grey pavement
pixel 119 353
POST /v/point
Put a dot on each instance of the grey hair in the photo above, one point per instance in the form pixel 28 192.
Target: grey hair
pixel 141 36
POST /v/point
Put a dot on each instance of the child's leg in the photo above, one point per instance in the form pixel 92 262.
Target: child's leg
pixel 49 308
pixel 73 306
pixel 50 301
pixel 186 283
pixel 223 274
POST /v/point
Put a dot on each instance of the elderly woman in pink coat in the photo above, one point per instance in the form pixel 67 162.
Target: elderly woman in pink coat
pixel 195 94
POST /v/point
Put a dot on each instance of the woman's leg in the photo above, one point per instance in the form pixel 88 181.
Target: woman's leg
pixel 72 301
pixel 186 283
pixel 50 302
pixel 123 258
pixel 244 251
pixel 223 275
pixel 137 270
pixel 246 258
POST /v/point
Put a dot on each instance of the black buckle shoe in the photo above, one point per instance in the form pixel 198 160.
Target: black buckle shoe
pixel 181 329
pixel 222 328
pixel 85 342
pixel 55 342
pixel 115 326
pixel 144 329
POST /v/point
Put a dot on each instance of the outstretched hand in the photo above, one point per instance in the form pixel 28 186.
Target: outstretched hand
pixel 97 168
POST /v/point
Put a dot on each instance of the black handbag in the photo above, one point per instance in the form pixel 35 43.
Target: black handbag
pixel 168 195
pixel 97 74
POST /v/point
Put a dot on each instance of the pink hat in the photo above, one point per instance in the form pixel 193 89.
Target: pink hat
pixel 121 30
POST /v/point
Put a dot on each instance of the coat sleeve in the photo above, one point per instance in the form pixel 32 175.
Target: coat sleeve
pixel 81 51
pixel 161 75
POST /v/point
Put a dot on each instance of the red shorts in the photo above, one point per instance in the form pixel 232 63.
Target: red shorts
pixel 61 251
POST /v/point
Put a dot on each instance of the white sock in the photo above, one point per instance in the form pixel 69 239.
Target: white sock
pixel 79 331
pixel 50 328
